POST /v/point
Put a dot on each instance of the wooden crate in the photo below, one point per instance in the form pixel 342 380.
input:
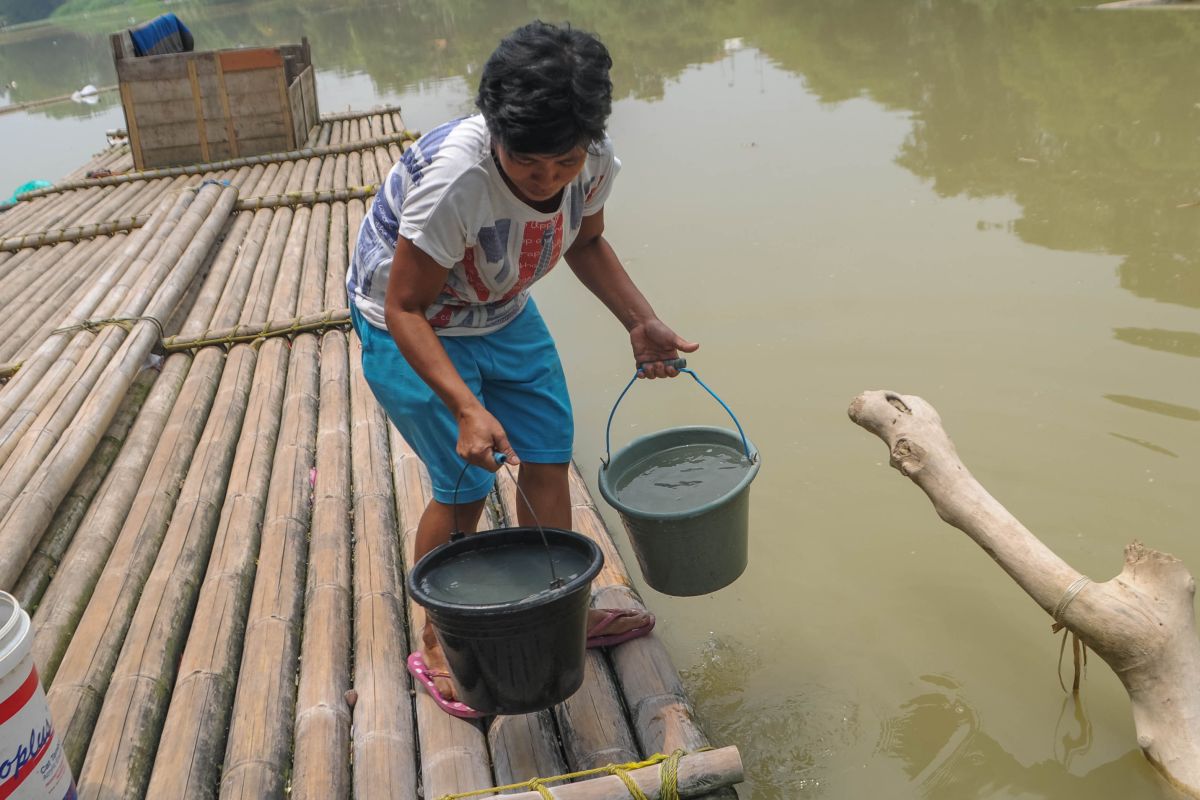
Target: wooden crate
pixel 188 108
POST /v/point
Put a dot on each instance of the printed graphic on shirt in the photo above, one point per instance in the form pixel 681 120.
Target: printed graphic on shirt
pixel 446 197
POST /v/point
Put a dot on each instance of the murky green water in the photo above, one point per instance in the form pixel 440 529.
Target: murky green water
pixel 505 574
pixel 989 204
pixel 683 478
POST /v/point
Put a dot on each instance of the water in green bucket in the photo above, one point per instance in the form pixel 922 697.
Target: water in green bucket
pixel 684 498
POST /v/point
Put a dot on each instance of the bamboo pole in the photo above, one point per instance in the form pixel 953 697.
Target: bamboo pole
pixel 698 776
pixel 129 512
pixel 98 564
pixel 62 306
pixel 18 280
pixel 260 731
pixel 233 163
pixel 49 480
pixel 83 679
pixel 8 109
pixel 50 551
pixel 106 292
pixel 341 116
pixel 93 229
pixel 135 695
pixel 454 755
pixel 321 760
pixel 194 730
pixel 260 741
pixel 49 294
pixel 384 746
pixel 191 729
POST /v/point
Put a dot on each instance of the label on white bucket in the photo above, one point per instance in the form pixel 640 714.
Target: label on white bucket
pixel 32 763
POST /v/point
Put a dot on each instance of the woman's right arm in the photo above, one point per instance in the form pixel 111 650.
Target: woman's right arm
pixel 414 284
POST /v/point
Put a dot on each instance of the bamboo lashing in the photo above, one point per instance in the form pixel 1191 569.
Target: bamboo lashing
pixel 215 166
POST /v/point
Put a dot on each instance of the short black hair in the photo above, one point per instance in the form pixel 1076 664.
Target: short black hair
pixel 546 89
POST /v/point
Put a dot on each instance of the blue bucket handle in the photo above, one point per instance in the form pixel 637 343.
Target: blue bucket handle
pixel 681 365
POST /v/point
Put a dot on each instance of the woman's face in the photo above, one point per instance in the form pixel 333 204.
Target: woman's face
pixel 537 178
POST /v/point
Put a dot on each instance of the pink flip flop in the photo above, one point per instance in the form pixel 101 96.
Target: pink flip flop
pixel 424 675
pixel 597 638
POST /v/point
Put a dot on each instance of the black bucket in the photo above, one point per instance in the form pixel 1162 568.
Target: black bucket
pixel 516 657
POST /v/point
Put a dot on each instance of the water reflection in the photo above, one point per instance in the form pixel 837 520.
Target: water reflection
pixel 1184 343
pixel 1156 407
pixel 790 744
pixel 1088 121
pixel 940 741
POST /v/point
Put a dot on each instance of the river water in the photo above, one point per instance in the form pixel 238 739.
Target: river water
pixel 990 205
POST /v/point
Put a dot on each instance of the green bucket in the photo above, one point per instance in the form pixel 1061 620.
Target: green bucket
pixel 685 548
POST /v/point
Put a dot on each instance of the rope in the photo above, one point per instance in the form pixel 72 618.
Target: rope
pixel 668 790
pixel 292 199
pixel 231 163
pixel 1070 594
pixel 336 318
pixel 94 325
pixel 1078 648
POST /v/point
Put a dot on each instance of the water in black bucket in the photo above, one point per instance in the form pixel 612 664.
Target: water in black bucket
pixel 514 629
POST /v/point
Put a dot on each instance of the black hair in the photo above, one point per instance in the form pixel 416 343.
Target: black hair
pixel 546 89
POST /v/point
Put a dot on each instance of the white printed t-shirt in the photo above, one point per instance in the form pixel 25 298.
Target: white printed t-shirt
pixel 447 196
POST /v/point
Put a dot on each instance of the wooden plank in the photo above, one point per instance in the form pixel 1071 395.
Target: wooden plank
pixel 149 68
pixel 231 136
pixel 253 82
pixel 293 101
pixel 180 133
pixel 312 112
pixel 160 89
pixel 135 142
pixel 250 59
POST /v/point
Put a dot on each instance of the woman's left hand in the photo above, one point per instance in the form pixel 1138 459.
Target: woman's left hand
pixel 653 343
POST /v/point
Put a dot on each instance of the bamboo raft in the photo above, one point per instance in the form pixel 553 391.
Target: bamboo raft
pixel 210 518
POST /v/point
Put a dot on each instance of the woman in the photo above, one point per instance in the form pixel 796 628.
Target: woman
pixel 453 346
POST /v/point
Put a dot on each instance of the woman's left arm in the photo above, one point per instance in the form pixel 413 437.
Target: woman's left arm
pixel 596 265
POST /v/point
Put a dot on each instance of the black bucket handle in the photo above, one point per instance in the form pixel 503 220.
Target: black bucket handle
pixel 681 365
pixel 456 533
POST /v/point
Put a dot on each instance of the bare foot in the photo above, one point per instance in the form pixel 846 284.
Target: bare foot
pixel 435 659
pixel 602 622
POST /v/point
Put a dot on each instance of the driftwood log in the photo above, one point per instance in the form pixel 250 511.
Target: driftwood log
pixel 1141 622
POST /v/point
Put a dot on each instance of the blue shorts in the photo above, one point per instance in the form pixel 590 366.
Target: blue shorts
pixel 515 372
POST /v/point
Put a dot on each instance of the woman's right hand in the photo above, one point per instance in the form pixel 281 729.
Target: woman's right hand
pixel 480 437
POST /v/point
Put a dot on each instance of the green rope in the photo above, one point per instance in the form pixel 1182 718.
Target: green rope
pixel 668 790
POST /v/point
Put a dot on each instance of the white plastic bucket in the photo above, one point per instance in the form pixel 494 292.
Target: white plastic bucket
pixel 32 763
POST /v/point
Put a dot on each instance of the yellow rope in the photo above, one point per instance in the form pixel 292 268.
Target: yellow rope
pixel 669 788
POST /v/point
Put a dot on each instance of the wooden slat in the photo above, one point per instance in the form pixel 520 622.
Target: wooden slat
pixel 250 59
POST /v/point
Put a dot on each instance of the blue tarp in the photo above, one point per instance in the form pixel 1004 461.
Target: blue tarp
pixel 165 34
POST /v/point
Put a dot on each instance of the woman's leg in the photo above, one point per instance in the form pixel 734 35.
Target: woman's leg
pixel 549 491
pixel 437 522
